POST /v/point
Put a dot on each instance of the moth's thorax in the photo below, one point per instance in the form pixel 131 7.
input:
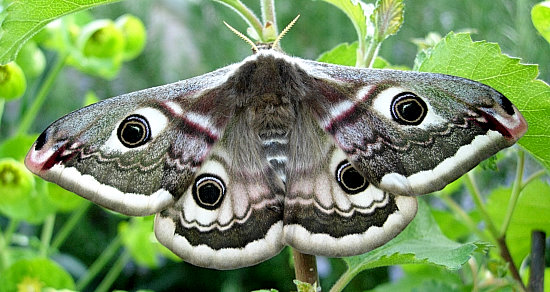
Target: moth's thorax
pixel 268 89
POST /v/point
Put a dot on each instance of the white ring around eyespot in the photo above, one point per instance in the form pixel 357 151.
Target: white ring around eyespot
pixel 156 119
pixel 383 101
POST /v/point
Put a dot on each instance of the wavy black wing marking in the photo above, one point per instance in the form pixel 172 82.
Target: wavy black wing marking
pixel 330 209
pixel 409 132
pixel 240 227
pixel 135 153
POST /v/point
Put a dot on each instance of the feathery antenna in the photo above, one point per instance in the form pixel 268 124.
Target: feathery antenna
pixel 274 45
pixel 287 28
pixel 242 36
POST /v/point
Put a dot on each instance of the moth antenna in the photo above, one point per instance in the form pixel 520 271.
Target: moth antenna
pixel 287 28
pixel 242 36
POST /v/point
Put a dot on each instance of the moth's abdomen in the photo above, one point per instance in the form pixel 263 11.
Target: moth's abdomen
pixel 275 146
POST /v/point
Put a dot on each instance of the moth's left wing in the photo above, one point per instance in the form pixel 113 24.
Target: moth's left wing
pixel 411 133
pixel 135 153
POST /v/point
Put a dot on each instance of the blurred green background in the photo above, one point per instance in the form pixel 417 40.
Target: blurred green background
pixel 188 38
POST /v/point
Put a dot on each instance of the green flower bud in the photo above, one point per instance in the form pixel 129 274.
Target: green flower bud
pixel 101 39
pixel 134 33
pixel 31 59
pixel 16 182
pixel 12 81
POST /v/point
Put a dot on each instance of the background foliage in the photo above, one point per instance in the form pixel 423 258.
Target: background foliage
pixel 187 38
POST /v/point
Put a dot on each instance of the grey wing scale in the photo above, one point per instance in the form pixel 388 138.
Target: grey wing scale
pixel 336 218
pixel 230 217
pixel 330 208
pixel 135 153
pixel 412 133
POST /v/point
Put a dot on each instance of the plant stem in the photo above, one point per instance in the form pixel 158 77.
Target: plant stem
pixel 5 241
pixel 12 226
pixel 370 55
pixel 476 195
pixel 68 227
pixel 2 103
pixel 114 272
pixel 98 265
pixel 247 15
pixel 4 261
pixel 464 217
pixel 533 177
pixel 499 238
pixel 344 279
pixel 47 84
pixel 268 13
pixel 516 190
pixel 505 254
pixel 536 275
pixel 305 267
pixel 46 236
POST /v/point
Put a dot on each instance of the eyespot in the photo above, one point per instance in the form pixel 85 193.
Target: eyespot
pixel 408 109
pixel 349 179
pixel 208 191
pixel 134 131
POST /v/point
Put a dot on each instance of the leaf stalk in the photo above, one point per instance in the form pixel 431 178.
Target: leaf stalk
pixel 45 88
pixel 516 190
pixel 101 262
pixel 248 15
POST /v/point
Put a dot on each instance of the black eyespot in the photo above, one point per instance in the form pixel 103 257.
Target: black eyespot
pixel 208 191
pixel 134 131
pixel 408 109
pixel 349 179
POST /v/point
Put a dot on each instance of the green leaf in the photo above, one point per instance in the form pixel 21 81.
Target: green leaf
pixel 540 15
pixel 346 54
pixel 17 147
pixel 388 18
pixel 305 287
pixel 357 12
pixel 137 236
pixel 33 275
pixel 343 54
pixel 417 275
pixel 458 55
pixel 533 202
pixel 23 19
pixel 421 242
pixel 62 199
pixel 450 225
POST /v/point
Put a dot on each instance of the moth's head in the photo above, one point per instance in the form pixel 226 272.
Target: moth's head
pixel 273 44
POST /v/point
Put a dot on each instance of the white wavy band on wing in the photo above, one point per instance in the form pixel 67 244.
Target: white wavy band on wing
pixel 87 186
pixel 451 168
pixel 222 259
pixel 352 244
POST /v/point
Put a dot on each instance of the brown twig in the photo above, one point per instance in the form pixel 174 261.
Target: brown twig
pixel 305 267
pixel 536 275
pixel 505 254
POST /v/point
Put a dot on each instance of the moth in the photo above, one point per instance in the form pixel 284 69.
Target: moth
pixel 276 150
